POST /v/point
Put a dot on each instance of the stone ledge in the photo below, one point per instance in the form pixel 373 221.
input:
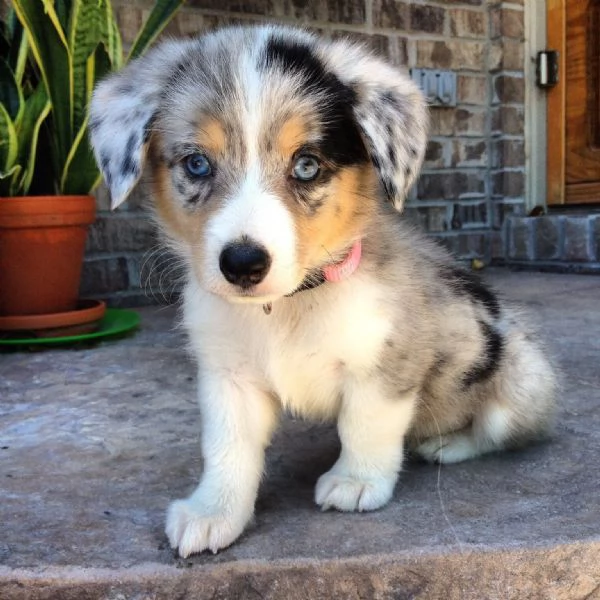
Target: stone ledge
pixel 563 571
pixel 554 239
pixel 96 442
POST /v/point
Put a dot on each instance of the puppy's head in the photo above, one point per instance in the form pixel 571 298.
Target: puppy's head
pixel 269 150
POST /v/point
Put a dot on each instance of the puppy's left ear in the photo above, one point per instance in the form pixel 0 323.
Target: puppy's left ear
pixel 122 111
pixel 392 114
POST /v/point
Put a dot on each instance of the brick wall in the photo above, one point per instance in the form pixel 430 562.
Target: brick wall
pixel 473 175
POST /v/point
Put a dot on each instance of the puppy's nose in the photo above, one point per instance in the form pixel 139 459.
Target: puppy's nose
pixel 244 263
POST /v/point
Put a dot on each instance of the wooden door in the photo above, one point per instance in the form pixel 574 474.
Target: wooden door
pixel 574 105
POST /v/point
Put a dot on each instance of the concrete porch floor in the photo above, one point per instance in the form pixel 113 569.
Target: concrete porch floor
pixel 95 443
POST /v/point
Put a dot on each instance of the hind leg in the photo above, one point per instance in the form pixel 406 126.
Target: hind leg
pixel 489 432
pixel 515 407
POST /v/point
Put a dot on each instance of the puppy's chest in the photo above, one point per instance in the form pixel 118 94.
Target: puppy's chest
pixel 310 356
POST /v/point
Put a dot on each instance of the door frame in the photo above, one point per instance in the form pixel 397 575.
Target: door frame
pixel 556 35
pixel 536 126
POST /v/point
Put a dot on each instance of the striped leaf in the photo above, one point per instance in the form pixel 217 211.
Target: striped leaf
pixel 8 141
pixel 81 173
pixel 87 29
pixel 50 49
pixel 36 109
pixel 11 95
pixel 162 12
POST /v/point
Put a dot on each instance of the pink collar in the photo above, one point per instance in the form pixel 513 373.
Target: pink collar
pixel 342 270
pixel 335 272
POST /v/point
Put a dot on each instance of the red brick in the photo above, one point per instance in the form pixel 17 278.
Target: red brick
pixel 508 120
pixel 509 89
pixel 387 13
pixel 506 22
pixel 429 19
pixel 508 153
pixel 460 121
pixel 469 153
pixel 436 154
pixel 508 184
pixel 468 23
pixel 472 90
pixel 451 185
pixel 451 54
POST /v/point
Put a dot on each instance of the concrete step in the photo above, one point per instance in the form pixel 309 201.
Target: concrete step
pixel 96 442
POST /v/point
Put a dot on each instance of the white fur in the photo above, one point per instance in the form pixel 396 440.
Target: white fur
pixel 247 360
pixel 262 218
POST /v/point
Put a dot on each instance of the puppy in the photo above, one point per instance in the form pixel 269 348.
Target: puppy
pixel 279 164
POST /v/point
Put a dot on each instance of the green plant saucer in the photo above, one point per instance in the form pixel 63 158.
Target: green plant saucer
pixel 116 321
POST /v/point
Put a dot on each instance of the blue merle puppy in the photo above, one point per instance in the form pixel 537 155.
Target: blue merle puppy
pixel 280 163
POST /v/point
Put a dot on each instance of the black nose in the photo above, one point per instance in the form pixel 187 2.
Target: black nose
pixel 244 263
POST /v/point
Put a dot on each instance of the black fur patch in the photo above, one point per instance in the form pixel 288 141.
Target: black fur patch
pixel 313 280
pixel 389 99
pixel 95 124
pixel 342 142
pixel 308 194
pixel 390 187
pixel 105 166
pixel 490 361
pixel 391 155
pixel 125 88
pixel 194 199
pixel 148 128
pixel 469 284
pixel 130 166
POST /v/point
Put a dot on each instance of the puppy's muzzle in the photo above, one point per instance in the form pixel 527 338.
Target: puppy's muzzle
pixel 244 263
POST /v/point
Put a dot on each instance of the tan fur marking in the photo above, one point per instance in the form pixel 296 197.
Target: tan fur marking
pixel 291 135
pixel 179 224
pixel 338 223
pixel 211 135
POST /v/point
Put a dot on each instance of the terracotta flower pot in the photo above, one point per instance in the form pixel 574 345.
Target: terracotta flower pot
pixel 42 241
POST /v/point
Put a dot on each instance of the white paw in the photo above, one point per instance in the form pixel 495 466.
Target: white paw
pixel 335 490
pixel 451 448
pixel 192 529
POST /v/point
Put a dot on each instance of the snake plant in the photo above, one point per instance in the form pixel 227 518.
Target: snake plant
pixel 54 52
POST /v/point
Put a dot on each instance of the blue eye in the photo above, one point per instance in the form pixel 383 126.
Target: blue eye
pixel 197 165
pixel 306 168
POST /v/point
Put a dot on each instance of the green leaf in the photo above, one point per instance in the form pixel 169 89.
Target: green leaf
pixel 15 40
pixel 81 173
pixel 19 59
pixel 87 30
pixel 37 108
pixel 9 144
pixel 112 41
pixel 99 65
pixel 50 49
pixel 8 181
pixel 162 12
pixel 63 12
pixel 11 95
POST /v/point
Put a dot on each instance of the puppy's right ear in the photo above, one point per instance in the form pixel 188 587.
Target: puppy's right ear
pixel 122 111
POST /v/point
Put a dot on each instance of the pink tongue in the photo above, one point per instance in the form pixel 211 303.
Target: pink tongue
pixel 344 269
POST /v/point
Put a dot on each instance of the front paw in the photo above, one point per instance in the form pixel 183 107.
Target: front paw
pixel 191 528
pixel 348 493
